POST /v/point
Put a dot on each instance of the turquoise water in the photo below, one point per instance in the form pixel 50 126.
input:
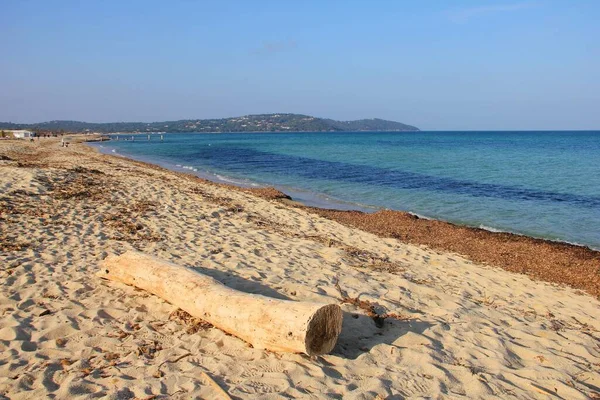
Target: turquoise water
pixel 541 184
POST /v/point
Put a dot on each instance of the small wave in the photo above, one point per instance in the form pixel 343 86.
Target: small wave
pixel 420 216
pixel 230 180
pixel 550 239
pixel 489 228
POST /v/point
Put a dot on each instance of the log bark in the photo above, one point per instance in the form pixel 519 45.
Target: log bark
pixel 264 322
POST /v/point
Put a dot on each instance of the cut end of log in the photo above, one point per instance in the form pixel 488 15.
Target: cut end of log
pixel 323 330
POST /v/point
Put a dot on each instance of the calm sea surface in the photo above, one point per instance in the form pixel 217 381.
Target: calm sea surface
pixel 542 184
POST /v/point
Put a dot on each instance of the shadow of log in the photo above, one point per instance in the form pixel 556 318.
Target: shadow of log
pixel 360 333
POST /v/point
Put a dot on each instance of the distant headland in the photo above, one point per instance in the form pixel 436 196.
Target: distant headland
pixel 247 123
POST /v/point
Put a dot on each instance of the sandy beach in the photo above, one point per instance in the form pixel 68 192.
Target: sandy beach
pixel 464 323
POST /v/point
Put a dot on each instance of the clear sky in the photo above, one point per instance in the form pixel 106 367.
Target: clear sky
pixel 435 64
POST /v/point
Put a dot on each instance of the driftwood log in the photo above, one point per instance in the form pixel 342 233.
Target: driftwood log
pixel 264 322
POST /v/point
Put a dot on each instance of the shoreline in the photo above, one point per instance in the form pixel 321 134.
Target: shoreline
pixel 322 201
pixel 547 260
pixel 305 197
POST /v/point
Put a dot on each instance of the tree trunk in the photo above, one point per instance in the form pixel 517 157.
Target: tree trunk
pixel 277 325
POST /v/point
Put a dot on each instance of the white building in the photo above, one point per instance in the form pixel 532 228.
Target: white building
pixel 22 134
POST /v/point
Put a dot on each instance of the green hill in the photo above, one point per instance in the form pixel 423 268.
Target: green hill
pixel 247 123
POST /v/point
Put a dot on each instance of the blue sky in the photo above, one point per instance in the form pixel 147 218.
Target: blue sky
pixel 435 64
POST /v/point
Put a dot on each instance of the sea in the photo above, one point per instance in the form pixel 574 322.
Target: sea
pixel 534 183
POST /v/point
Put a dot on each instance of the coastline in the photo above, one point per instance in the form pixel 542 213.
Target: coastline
pixel 551 261
pixel 453 327
pixel 303 197
pixel 541 209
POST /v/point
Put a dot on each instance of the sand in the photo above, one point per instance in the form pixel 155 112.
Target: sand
pixel 550 261
pixel 460 328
